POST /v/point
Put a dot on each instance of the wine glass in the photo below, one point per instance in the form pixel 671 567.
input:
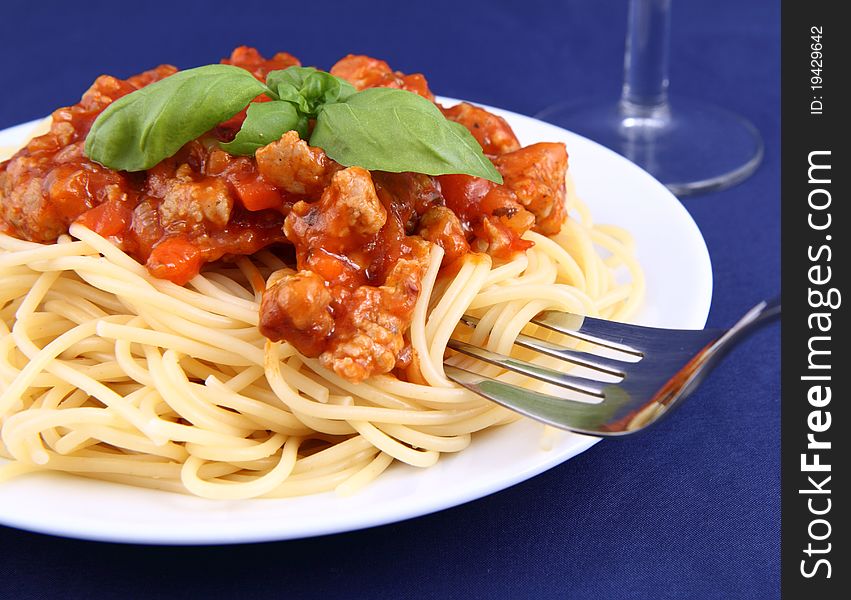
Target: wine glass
pixel 688 145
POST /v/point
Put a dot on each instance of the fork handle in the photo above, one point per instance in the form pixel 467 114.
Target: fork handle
pixel 764 312
pixel 761 314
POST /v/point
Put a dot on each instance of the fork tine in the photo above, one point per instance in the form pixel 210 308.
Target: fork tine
pixel 609 334
pixel 672 363
pixel 610 366
pixel 576 326
pixel 572 382
pixel 559 412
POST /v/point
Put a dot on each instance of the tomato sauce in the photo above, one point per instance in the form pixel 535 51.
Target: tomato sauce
pixel 360 239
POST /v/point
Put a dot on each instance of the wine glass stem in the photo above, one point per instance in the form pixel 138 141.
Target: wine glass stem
pixel 645 86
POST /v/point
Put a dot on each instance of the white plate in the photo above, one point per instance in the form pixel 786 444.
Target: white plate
pixel 679 289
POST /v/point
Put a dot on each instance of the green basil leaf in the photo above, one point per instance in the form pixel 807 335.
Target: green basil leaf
pixel 286 84
pixel 386 129
pixel 141 129
pixel 265 122
pixel 308 88
pixel 325 88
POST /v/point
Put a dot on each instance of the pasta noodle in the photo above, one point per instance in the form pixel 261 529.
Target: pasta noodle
pixel 110 373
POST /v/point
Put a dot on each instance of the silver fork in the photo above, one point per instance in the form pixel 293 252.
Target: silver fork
pixel 670 364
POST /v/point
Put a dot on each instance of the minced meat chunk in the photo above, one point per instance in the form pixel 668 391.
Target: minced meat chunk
pixel 297 307
pixel 369 337
pixel 491 131
pixel 535 174
pixel 358 281
pixel 367 72
pixel 292 165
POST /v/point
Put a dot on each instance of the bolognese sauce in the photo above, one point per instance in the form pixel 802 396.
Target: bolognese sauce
pixel 361 239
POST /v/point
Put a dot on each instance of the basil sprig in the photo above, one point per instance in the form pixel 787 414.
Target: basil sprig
pixel 378 129
pixel 309 88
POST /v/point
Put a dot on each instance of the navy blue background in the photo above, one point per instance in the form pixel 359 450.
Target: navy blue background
pixel 689 510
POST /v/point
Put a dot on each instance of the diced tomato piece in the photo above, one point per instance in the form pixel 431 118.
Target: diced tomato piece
pixel 463 194
pixel 257 194
pixel 108 219
pixel 176 259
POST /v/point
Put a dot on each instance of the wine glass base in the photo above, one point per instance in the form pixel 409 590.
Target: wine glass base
pixel 691 147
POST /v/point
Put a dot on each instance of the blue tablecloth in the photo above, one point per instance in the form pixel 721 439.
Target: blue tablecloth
pixel 690 510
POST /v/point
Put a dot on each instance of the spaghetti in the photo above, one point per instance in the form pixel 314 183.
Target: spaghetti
pixel 154 332
pixel 111 373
